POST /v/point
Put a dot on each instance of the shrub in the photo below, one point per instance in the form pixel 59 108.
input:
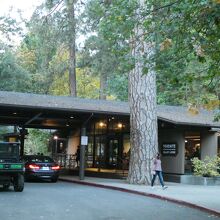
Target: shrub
pixel 209 167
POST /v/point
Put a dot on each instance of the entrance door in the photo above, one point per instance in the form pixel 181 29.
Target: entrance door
pixel 100 143
pixel 192 149
pixel 113 152
pixel 107 152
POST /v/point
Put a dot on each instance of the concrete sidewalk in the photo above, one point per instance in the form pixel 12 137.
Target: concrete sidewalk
pixel 205 198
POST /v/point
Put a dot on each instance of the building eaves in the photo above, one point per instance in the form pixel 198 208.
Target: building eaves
pixel 181 115
pixel 28 100
pixel 173 114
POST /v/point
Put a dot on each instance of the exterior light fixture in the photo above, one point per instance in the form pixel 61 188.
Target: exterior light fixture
pixel 101 124
pixel 186 141
pixel 120 125
pixel 55 137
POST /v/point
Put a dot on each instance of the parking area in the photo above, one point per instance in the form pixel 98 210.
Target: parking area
pixel 62 200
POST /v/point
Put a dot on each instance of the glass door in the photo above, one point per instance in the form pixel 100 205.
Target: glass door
pixel 192 149
pixel 113 152
pixel 100 142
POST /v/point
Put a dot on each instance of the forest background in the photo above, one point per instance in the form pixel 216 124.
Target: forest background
pixel 50 58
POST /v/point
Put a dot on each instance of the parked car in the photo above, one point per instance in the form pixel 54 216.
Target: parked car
pixel 40 167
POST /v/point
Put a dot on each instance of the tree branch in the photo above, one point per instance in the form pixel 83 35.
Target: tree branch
pixel 53 10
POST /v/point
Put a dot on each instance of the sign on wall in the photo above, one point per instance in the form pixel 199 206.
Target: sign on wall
pixel 84 140
pixel 169 149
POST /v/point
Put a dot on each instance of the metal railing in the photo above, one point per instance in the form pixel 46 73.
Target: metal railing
pixel 67 161
pixel 124 164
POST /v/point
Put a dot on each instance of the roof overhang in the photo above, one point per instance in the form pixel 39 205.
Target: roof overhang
pixel 46 111
pixel 54 112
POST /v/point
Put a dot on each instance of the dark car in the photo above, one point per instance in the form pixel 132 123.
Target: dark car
pixel 40 167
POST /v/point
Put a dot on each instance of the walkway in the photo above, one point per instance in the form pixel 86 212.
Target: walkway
pixel 205 198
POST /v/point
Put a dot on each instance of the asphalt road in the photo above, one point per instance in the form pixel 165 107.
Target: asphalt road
pixel 68 201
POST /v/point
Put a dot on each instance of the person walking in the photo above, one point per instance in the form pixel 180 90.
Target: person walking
pixel 157 171
pixel 78 156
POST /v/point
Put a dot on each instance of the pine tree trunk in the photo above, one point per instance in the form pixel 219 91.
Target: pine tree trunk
pixel 143 117
pixel 72 46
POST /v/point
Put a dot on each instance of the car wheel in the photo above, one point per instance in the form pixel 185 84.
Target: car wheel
pixel 19 183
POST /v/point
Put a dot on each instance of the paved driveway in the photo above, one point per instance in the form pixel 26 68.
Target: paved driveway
pixel 68 201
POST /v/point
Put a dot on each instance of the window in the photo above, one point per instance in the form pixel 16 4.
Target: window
pixel 8 150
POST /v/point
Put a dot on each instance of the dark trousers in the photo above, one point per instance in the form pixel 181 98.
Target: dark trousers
pixel 157 173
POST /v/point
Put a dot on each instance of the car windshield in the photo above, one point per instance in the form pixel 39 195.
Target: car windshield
pixel 8 150
pixel 39 159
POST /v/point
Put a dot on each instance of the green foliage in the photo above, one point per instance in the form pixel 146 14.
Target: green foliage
pixel 87 84
pixel 186 39
pixel 185 33
pixel 103 54
pixel 14 77
pixel 217 116
pixel 60 85
pixel 37 141
pixel 118 86
pixel 209 167
pixel 8 28
pixel 190 53
pixel 34 55
pixel 98 59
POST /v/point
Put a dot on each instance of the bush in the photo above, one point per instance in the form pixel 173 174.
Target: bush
pixel 209 167
pixel 37 141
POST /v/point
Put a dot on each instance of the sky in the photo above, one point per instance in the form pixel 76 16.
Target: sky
pixel 26 6
pixel 11 7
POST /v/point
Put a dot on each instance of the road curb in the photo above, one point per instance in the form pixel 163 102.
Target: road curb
pixel 177 201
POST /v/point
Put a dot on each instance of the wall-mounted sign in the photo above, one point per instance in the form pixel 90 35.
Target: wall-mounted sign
pixel 169 149
pixel 84 140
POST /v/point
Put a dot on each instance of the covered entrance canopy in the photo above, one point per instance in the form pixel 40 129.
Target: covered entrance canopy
pixel 57 112
pixel 54 112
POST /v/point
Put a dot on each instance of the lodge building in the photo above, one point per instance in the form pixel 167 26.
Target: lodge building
pixel 181 135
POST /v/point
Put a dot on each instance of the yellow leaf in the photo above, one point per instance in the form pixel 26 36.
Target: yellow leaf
pixel 193 110
pixel 165 44
pixel 212 104
pixel 119 18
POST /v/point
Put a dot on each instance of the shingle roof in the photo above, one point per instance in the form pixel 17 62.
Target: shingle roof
pixel 181 115
pixel 62 103
pixel 174 114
